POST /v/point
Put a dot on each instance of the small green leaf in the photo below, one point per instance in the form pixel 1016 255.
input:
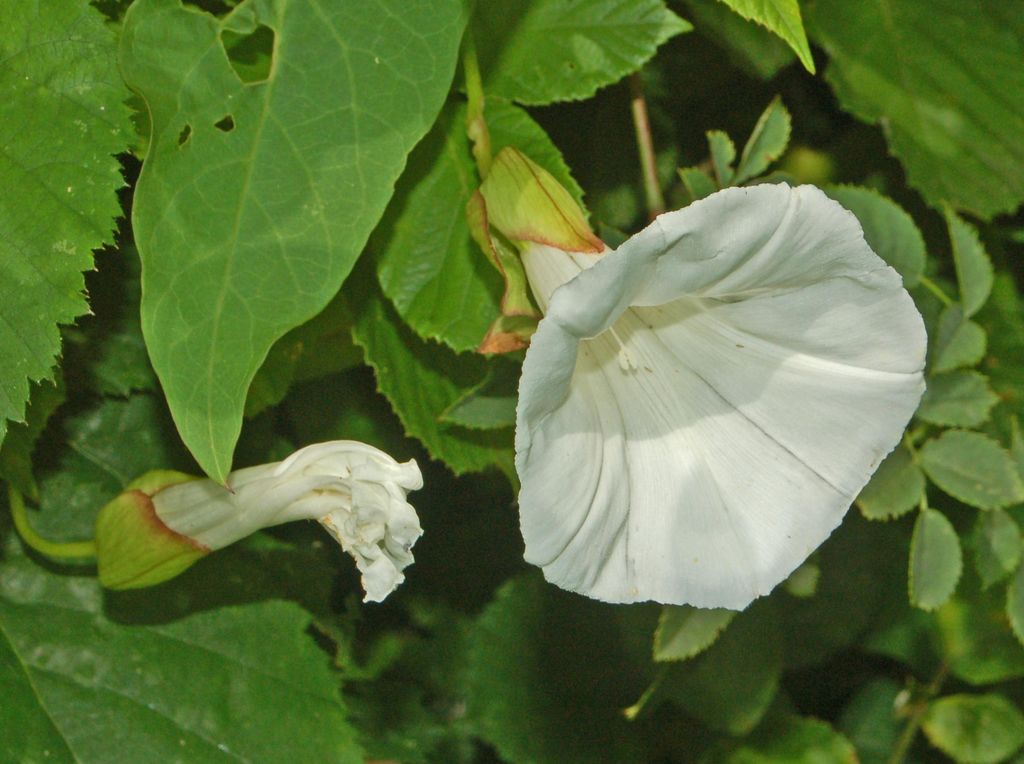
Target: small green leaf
pixel 895 488
pixel 767 142
pixel 957 399
pixel 698 183
pixel 256 197
pixel 422 380
pixel 997 546
pixel 783 18
pixel 1015 604
pixel 793 740
pixel 723 152
pixel 888 229
pixel 955 128
pixel 958 342
pixel 559 51
pixel 492 404
pixel 62 108
pixel 730 686
pixel 870 721
pixel 685 631
pixel 974 729
pixel 935 560
pixel 973 267
pixel 973 468
pixel 974 638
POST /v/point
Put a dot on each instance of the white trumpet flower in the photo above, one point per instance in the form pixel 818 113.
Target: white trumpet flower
pixel 699 408
pixel 357 492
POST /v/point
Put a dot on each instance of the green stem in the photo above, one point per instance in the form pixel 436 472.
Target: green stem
pixel 936 290
pixel 476 125
pixel 62 551
pixel 652 188
pixel 906 738
pixel 634 710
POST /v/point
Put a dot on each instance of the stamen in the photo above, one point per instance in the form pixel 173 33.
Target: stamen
pixel 625 358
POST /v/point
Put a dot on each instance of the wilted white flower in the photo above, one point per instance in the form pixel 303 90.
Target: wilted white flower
pixel 699 408
pixel 357 492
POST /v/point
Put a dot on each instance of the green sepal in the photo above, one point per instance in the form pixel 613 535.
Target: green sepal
pixel 134 548
pixel 526 203
pixel 518 320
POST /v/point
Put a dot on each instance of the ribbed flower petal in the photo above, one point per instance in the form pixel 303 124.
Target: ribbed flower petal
pixel 699 408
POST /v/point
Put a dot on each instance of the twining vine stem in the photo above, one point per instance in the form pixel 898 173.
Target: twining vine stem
pixel 652 188
pixel 56 550
pixel 906 738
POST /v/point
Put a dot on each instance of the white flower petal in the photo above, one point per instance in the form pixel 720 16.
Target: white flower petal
pixel 699 408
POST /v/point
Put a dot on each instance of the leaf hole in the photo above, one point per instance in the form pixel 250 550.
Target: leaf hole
pixel 250 55
pixel 185 134
pixel 225 125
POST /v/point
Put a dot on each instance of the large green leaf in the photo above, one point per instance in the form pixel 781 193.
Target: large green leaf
pixel 980 729
pixel 944 79
pixel 973 468
pixel 142 683
pixel 541 51
pixel 422 380
pixel 548 678
pixel 61 121
pixel 429 267
pixel 29 734
pixel 783 18
pixel 256 197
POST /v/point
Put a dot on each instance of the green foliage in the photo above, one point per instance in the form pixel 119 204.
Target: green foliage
pixel 973 468
pixel 957 399
pixel 997 546
pixel 976 729
pixel 308 274
pixel 973 267
pixel 684 631
pixel 300 167
pixel 935 560
pixel 731 685
pixel 61 105
pixel 429 266
pixel 951 126
pixel 203 686
pixel 888 229
pixel 767 141
pixel 423 381
pixel 783 18
pixel 750 46
pixel 895 488
pixel 548 677
pixel 794 740
pixel 541 51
